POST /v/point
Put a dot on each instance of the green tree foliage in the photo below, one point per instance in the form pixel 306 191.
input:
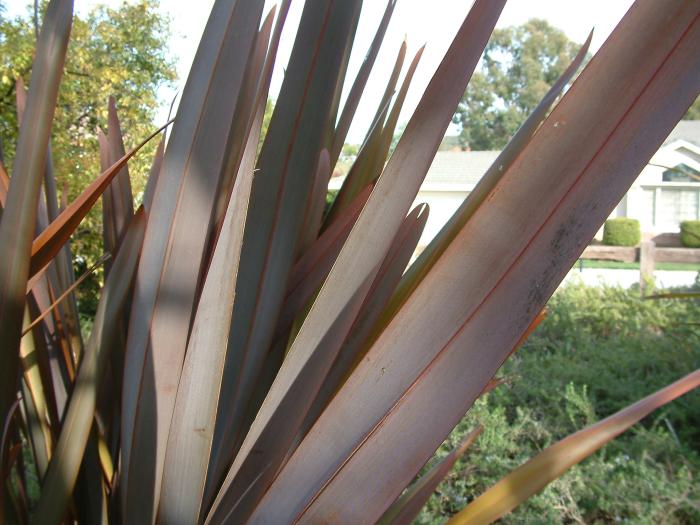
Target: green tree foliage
pixel 520 64
pixel 120 52
pixel 693 111
pixel 269 108
pixel 347 158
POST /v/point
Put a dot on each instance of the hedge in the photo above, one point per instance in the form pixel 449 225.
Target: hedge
pixel 690 234
pixel 622 232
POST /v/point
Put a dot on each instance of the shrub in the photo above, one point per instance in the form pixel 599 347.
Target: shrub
pixel 622 232
pixel 330 197
pixel 588 359
pixel 690 234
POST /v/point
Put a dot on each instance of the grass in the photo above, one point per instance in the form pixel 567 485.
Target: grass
pixel 618 265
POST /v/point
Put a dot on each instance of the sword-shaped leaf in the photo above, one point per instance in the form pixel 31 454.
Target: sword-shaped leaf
pixel 65 294
pixel 4 185
pixel 189 445
pixel 37 408
pixel 388 276
pixel 280 195
pixel 317 202
pixel 153 176
pixel 174 255
pixel 405 509
pixel 117 199
pixel 65 462
pixel 373 154
pixel 49 242
pixel 59 274
pixel 313 267
pixel 358 86
pixel 441 241
pixel 19 214
pixel 343 292
pixel 460 324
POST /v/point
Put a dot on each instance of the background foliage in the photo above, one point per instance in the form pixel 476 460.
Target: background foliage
pixel 598 351
pixel 118 52
pixel 622 231
pixel 690 234
pixel 694 111
pixel 520 64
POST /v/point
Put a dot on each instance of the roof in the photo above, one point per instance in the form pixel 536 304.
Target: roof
pixel 688 130
pixel 450 171
pixel 458 170
pixel 450 143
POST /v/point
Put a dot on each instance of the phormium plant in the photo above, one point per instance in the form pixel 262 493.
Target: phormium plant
pixel 254 360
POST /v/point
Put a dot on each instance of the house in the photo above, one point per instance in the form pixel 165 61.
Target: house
pixel 666 192
pixel 451 177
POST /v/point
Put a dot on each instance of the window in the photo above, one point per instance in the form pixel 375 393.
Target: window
pixel 677 205
pixel 681 173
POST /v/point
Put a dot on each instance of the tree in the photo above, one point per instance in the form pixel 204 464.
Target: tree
pixel 694 111
pixel 269 108
pixel 520 64
pixel 120 52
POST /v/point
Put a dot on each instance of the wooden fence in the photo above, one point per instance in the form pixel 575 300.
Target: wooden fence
pixel 647 254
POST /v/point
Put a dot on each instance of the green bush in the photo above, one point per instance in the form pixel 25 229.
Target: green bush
pixel 622 232
pixel 599 350
pixel 330 198
pixel 690 234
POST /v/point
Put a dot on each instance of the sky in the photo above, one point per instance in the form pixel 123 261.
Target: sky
pixel 433 22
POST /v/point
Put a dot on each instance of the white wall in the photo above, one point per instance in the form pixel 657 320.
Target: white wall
pixel 442 204
pixel 660 206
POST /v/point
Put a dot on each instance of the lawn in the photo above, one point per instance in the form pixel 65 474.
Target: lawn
pixel 616 265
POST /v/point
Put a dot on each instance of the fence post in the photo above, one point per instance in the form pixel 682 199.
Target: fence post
pixel 646 264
